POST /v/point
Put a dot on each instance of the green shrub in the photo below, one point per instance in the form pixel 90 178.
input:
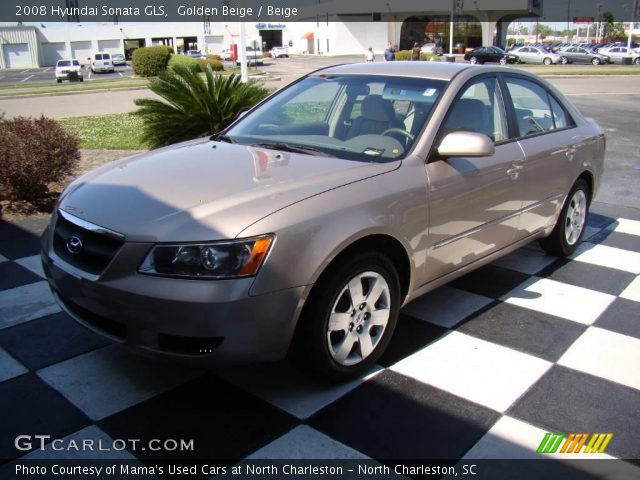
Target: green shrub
pixel 184 60
pixel 33 153
pixel 267 55
pixel 194 106
pixel 406 55
pixel 216 65
pixel 214 56
pixel 151 61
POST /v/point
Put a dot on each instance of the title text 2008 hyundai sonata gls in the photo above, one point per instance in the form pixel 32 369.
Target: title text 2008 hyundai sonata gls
pixel 310 221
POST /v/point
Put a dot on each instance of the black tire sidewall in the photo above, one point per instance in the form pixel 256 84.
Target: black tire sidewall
pixel 311 335
pixel 556 243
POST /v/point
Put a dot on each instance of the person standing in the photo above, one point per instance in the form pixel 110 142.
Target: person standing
pixel 369 56
pixel 415 52
pixel 389 53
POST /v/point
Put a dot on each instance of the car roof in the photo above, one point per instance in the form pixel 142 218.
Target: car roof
pixel 432 70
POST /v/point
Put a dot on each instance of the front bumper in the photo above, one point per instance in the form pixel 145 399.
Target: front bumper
pixel 204 322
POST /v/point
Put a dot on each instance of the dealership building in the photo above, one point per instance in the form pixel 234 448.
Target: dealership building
pixel 480 22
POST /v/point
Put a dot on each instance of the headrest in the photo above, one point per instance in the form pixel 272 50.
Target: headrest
pixel 374 107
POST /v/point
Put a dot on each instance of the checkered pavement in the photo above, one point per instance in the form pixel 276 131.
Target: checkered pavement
pixel 480 368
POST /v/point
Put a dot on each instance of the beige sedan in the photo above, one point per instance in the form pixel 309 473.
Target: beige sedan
pixel 306 225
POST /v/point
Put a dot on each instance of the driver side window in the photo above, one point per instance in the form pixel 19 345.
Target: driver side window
pixel 479 109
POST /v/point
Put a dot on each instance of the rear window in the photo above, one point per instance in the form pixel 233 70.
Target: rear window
pixel 98 56
pixel 106 56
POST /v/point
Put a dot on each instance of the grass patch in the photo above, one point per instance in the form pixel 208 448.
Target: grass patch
pixel 117 131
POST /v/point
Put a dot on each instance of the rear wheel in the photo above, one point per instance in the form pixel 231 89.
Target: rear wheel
pixel 473 60
pixel 547 61
pixel 564 60
pixel 569 229
pixel 503 61
pixel 350 317
pixel 637 61
pixel 595 61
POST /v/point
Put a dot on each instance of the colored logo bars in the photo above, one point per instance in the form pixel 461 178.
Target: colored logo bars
pixel 574 442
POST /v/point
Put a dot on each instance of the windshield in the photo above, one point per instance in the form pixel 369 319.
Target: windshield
pixel 356 117
pixel 64 63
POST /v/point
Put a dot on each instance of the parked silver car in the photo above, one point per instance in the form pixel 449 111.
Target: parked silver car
pixel 310 221
pixel 616 54
pixel 535 55
pixel 582 55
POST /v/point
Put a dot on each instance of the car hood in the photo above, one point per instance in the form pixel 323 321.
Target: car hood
pixel 203 190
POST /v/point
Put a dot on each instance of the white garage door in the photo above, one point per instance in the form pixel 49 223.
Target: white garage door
pixel 17 55
pixel 52 52
pixel 215 43
pixel 81 51
pixel 111 46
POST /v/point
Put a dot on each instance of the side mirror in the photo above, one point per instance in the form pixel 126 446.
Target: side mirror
pixel 466 144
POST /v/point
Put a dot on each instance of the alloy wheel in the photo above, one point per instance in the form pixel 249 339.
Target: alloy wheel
pixel 576 217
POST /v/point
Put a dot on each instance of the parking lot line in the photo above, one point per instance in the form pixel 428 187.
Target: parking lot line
pixel 25 79
pixel 46 69
pixel 120 73
pixel 25 71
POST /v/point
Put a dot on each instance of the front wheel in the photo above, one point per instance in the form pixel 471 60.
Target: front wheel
pixel 547 61
pixel 637 61
pixel 503 61
pixel 595 61
pixel 350 317
pixel 569 229
pixel 473 60
pixel 564 60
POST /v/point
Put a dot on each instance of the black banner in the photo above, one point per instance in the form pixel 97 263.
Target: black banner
pixel 278 11
pixel 333 469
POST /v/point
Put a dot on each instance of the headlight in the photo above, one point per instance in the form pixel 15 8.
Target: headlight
pixel 227 259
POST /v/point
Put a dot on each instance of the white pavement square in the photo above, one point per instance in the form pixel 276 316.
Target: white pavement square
pixel 632 292
pixel 560 299
pixel 285 387
pixel 474 369
pixel 606 256
pixel 21 304
pixel 106 381
pixel 606 354
pixel 624 225
pixel 33 263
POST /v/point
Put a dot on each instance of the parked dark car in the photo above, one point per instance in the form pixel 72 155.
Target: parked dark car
pixel 487 54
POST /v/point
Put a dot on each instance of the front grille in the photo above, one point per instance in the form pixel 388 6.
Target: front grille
pixel 95 252
pixel 188 345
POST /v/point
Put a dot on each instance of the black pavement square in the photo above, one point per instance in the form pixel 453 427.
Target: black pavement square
pixel 599 220
pixel 622 316
pixel 13 275
pixel 410 336
pixel 28 406
pixel 587 275
pixel 617 240
pixel 565 400
pixel 528 331
pixel 395 417
pixel 224 422
pixel 17 243
pixel 490 281
pixel 48 340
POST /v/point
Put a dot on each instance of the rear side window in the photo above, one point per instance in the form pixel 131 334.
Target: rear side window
pixel 536 111
pixel 530 102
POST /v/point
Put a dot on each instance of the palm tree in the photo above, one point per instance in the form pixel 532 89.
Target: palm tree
pixel 193 106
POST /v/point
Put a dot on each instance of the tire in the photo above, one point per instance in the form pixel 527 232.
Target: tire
pixel 564 60
pixel 340 337
pixel 572 222
pixel 58 80
pixel 503 61
pixel 547 61
pixel 473 60
pixel 595 61
pixel 637 61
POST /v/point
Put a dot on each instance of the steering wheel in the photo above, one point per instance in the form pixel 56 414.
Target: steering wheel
pixel 409 135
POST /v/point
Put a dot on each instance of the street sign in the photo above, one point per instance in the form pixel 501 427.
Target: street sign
pixel 583 20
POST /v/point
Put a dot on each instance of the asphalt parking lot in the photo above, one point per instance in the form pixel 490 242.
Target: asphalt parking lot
pixel 46 75
pixel 478 369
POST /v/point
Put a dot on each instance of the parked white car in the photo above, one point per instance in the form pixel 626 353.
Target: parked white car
pixel 225 54
pixel 66 68
pixel 101 62
pixel 254 57
pixel 616 54
pixel 279 52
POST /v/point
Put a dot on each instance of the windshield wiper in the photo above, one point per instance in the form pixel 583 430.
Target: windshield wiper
pixel 222 138
pixel 288 147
